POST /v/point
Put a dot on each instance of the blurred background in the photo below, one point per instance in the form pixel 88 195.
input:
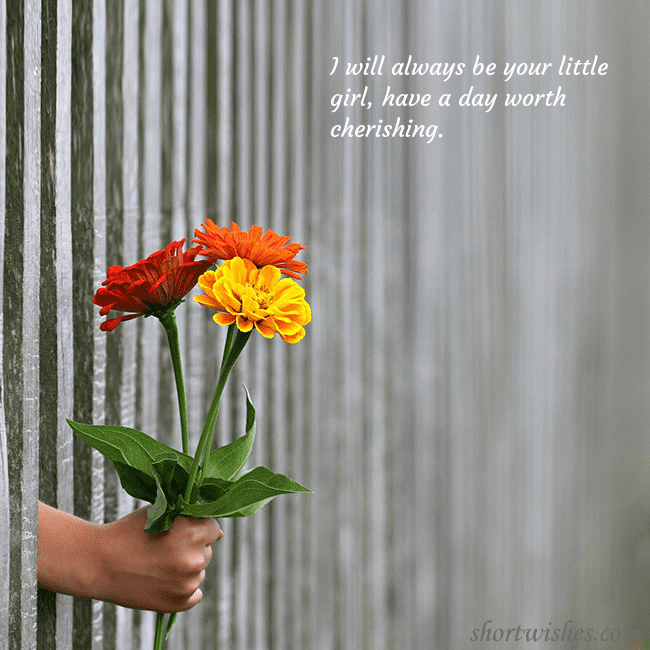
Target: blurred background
pixel 471 403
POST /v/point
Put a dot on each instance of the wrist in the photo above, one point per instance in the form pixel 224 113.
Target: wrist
pixel 107 553
pixel 94 573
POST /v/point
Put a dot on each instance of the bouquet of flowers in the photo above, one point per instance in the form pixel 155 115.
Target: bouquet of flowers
pixel 246 292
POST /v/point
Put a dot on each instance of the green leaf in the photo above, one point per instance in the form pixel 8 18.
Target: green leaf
pixel 160 517
pixel 227 461
pixel 137 483
pixel 246 495
pixel 126 446
pixel 148 469
pixel 172 474
pixel 251 510
pixel 171 479
pixel 212 489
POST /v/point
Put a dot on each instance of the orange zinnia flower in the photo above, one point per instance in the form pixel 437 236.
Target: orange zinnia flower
pixel 221 243
pixel 241 293
pixel 150 287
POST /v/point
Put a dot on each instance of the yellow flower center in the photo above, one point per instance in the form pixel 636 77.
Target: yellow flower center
pixel 262 297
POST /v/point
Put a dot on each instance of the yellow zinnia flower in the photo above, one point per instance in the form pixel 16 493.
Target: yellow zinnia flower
pixel 241 293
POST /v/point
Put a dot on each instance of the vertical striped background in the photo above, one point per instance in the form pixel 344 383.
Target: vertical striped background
pixel 471 405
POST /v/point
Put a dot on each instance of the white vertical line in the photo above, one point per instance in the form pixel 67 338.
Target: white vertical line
pixel 99 274
pixel 179 107
pixel 224 104
pixel 131 207
pixel 376 279
pixel 152 124
pixel 355 551
pixel 462 563
pixel 297 165
pixel 197 319
pixel 124 636
pixel 179 16
pixel 242 125
pixel 400 421
pixel 151 328
pixel 261 99
pixel 322 537
pixel 189 624
pixel 99 252
pixel 196 212
pixel 298 356
pixel 276 24
pixel 30 334
pixel 226 45
pixel 189 627
pixel 430 347
pixel 65 378
pixel 130 141
pixel 276 160
pixel 261 361
pixel 242 36
pixel 64 252
pixel 4 470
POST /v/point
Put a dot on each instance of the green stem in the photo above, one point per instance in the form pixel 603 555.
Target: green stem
pixel 168 321
pixel 170 622
pixel 230 337
pixel 160 626
pixel 223 376
pixel 205 443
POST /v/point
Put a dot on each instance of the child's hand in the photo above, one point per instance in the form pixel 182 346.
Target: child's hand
pixel 120 563
pixel 158 572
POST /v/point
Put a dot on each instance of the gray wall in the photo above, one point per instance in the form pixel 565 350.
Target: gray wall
pixel 471 403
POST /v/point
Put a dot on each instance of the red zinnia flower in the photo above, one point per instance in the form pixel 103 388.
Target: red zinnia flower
pixel 151 286
pixel 221 243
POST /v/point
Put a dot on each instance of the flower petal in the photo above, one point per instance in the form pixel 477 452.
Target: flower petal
pixel 150 286
pixel 224 319
pixel 220 243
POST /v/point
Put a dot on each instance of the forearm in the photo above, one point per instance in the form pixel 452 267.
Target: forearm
pixel 69 553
